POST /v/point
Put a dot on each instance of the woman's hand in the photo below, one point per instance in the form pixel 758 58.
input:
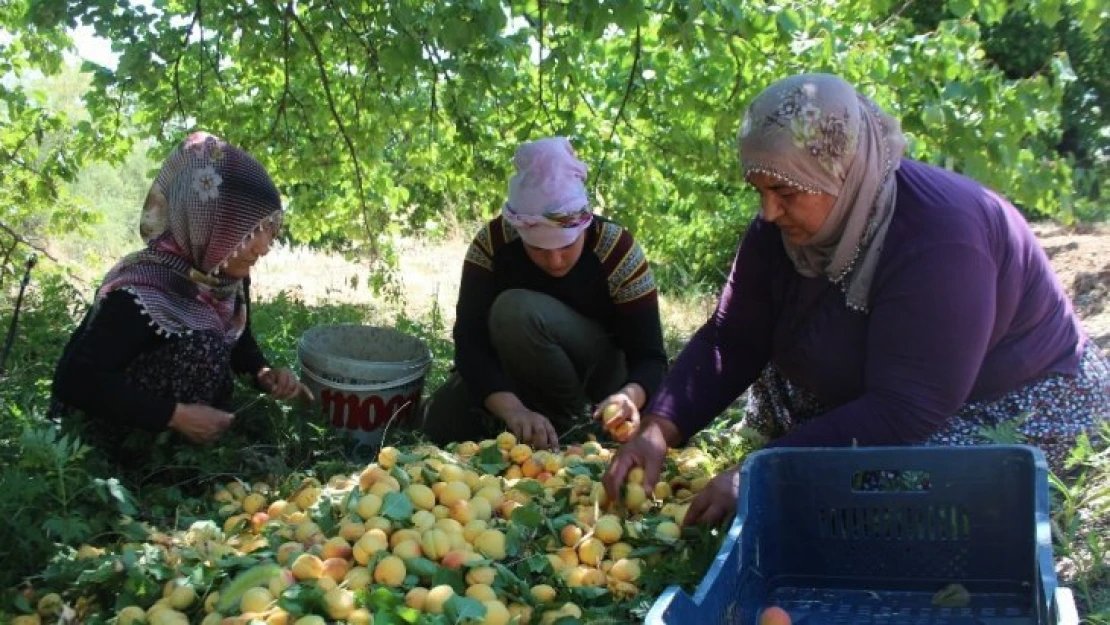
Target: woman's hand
pixel 717 502
pixel 282 383
pixel 200 423
pixel 647 450
pixel 619 416
pixel 531 428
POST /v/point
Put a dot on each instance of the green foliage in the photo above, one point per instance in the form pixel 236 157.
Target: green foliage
pixel 381 118
pixel 114 194
pixel 44 138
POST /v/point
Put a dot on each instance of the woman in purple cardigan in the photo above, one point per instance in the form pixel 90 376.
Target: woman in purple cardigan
pixel 876 300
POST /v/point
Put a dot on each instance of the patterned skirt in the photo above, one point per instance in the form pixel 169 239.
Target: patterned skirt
pixel 1050 413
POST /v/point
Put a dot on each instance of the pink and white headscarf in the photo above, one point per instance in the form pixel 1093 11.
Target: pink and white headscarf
pixel 209 199
pixel 547 202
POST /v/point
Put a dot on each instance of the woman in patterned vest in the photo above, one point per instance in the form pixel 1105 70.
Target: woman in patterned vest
pixel 557 317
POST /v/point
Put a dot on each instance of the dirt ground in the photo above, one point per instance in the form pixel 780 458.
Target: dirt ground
pixel 1081 257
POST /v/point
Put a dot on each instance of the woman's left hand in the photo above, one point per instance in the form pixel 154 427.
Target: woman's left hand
pixel 282 383
pixel 619 416
pixel 717 502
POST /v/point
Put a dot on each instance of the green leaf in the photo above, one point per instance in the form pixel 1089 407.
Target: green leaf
pixel 789 21
pixel 530 487
pixel 125 502
pixel 381 600
pixel 350 502
pixel 402 476
pixel 302 599
pixel 587 594
pixel 991 11
pixel 452 578
pixel 515 539
pixel 397 507
pixel 489 460
pixel 134 530
pixel 961 8
pixel 430 476
pixel 325 517
pixel 933 116
pixel 538 565
pixel 529 516
pixel 461 609
pixel 563 520
pixel 647 550
pixel 421 567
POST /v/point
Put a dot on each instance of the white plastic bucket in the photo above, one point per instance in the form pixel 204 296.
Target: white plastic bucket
pixel 363 377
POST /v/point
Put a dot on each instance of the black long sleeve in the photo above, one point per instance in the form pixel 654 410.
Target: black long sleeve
pixel 90 375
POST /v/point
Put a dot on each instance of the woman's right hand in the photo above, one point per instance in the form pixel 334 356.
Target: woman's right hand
pixel 531 428
pixel 647 450
pixel 200 423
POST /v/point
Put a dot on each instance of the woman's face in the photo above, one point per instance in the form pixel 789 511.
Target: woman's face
pixel 558 262
pixel 798 214
pixel 239 266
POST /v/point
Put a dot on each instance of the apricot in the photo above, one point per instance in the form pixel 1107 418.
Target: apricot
pixel 307 566
pixel 608 529
pixel 774 615
pixel 255 600
pixel 416 598
pixel 437 598
pixel 339 602
pixel 491 543
pixel 497 613
pixel 390 571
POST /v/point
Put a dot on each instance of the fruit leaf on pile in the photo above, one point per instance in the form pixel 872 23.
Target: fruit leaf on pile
pixel 489 532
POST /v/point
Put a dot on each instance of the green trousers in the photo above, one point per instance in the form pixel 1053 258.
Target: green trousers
pixel 558 363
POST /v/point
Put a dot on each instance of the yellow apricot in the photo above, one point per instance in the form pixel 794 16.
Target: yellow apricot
pixel 437 598
pixel 390 571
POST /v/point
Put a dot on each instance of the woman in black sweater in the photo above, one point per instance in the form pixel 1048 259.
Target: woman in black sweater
pixel 170 324
pixel 558 313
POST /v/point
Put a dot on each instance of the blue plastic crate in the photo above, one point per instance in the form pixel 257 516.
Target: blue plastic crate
pixel 807 539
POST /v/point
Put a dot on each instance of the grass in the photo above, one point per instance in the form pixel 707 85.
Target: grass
pixel 297 289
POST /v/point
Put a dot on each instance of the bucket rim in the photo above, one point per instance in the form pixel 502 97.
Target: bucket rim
pixel 425 357
pixel 408 378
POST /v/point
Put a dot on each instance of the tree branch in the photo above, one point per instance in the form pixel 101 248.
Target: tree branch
pixel 285 69
pixel 539 66
pixel 895 15
pixel 177 66
pixel 628 86
pixel 638 48
pixel 21 239
pixel 342 127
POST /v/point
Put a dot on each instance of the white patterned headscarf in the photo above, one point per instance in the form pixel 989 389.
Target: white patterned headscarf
pixel 207 203
pixel 548 205
pixel 817 134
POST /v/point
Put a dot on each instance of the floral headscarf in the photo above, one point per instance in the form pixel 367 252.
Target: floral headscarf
pixel 209 199
pixel 817 134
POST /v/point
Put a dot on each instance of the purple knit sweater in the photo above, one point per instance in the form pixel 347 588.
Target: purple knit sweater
pixel 964 306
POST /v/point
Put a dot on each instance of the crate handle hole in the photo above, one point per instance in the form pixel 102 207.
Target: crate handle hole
pixel 891 481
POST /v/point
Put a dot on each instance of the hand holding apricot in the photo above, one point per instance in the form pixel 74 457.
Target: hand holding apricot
pixel 619 416
pixel 717 502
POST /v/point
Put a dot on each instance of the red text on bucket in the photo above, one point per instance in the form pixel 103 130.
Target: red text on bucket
pixel 366 414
